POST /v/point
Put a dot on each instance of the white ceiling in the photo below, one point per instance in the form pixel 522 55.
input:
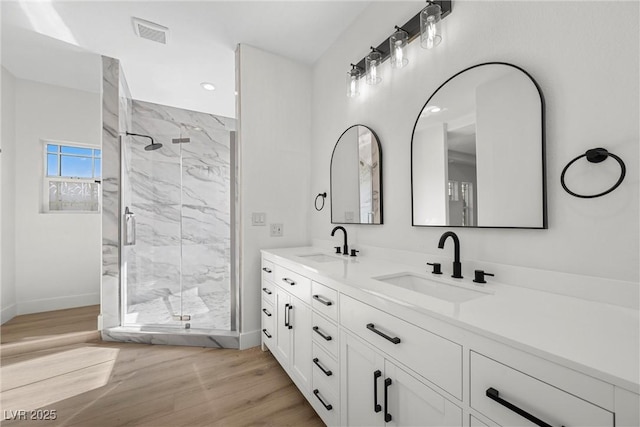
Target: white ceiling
pixel 202 40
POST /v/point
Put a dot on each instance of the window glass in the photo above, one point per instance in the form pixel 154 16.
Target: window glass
pixel 76 167
pixel 97 153
pixel 52 148
pixel 52 165
pixel 76 150
pixel 98 168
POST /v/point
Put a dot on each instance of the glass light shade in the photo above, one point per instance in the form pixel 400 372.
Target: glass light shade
pixel 398 48
pixel 372 66
pixel 430 33
pixel 353 82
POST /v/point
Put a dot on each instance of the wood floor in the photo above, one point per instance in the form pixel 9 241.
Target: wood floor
pixel 48 324
pixel 123 384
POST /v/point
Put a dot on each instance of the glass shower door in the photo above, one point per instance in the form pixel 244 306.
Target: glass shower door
pixel 152 261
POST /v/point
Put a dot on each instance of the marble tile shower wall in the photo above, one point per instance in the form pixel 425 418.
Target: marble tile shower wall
pixel 181 195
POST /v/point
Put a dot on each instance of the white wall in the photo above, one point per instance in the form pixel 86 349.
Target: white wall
pixel 7 199
pixel 274 139
pixel 587 65
pixel 57 256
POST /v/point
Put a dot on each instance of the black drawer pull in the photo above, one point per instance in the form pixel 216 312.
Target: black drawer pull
pixel 266 270
pixel 266 333
pixel 324 371
pixel 266 291
pixel 289 281
pixel 494 394
pixel 322 301
pixel 286 315
pixel 290 306
pixel 387 415
pixel 319 332
pixel 372 328
pixel 265 311
pixel 376 406
pixel 317 393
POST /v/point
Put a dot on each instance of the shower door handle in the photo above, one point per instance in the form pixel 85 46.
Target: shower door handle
pixel 129 227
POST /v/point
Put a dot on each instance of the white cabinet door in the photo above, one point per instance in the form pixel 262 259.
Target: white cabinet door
pixel 362 383
pixel 411 403
pixel 300 356
pixel 282 338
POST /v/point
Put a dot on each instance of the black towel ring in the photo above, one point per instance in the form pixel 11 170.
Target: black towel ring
pixel 595 155
pixel 323 195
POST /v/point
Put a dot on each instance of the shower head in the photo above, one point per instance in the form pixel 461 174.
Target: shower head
pixel 153 146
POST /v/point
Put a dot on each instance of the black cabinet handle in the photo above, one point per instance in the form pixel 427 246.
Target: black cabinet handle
pixel 324 371
pixel 266 270
pixel 286 315
pixel 266 333
pixel 317 393
pixel 289 317
pixel 319 332
pixel 322 301
pixel 265 311
pixel 266 291
pixel 372 328
pixel 289 281
pixel 376 406
pixel 494 394
pixel 387 415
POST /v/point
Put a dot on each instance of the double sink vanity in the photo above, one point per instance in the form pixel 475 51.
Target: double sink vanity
pixel 375 342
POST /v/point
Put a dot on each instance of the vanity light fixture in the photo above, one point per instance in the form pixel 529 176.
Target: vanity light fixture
pixel 208 86
pixel 353 81
pixel 430 33
pixel 394 46
pixel 398 42
pixel 372 67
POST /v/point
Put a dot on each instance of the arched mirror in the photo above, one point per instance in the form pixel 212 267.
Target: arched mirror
pixel 356 178
pixel 477 152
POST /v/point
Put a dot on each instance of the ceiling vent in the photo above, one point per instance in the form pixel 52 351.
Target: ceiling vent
pixel 150 31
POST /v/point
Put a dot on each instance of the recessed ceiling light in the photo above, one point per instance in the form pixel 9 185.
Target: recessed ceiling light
pixel 208 86
pixel 434 109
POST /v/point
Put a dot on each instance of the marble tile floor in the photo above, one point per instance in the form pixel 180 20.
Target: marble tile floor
pixel 208 311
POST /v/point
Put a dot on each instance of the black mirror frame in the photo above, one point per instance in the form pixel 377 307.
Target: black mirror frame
pixel 545 224
pixel 380 172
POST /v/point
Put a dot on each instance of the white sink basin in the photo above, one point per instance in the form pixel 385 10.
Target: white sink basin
pixel 444 291
pixel 320 257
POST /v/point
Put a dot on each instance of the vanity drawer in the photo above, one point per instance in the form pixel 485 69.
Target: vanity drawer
pixel 268 322
pixel 539 399
pixel 326 405
pixel 267 291
pixel 325 370
pixel 435 358
pixel 267 270
pixel 325 334
pixel 324 300
pixel 293 283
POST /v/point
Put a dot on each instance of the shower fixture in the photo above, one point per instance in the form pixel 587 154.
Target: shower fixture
pixel 153 146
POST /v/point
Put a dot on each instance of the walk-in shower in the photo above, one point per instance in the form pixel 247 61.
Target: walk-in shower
pixel 177 226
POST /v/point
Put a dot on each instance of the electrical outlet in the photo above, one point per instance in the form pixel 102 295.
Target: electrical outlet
pixel 276 230
pixel 259 219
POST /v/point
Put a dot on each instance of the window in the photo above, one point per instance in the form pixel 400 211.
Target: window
pixel 72 178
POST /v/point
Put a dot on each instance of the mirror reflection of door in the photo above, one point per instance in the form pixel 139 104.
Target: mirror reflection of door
pixel 356 178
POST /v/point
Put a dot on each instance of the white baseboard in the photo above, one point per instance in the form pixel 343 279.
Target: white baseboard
pixel 57 303
pixel 7 313
pixel 249 339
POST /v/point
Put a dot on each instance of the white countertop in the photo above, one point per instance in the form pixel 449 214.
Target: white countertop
pixel 600 340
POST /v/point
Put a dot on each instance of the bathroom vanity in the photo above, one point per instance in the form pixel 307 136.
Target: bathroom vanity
pixel 374 342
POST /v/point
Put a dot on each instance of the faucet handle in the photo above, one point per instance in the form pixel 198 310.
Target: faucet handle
pixel 338 249
pixel 354 252
pixel 479 276
pixel 436 267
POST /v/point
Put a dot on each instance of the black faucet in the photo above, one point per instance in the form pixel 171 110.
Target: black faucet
pixel 345 248
pixel 457 266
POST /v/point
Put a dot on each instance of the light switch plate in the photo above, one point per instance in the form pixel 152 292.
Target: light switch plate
pixel 259 218
pixel 276 230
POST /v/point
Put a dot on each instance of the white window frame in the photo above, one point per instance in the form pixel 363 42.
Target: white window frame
pixel 48 179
